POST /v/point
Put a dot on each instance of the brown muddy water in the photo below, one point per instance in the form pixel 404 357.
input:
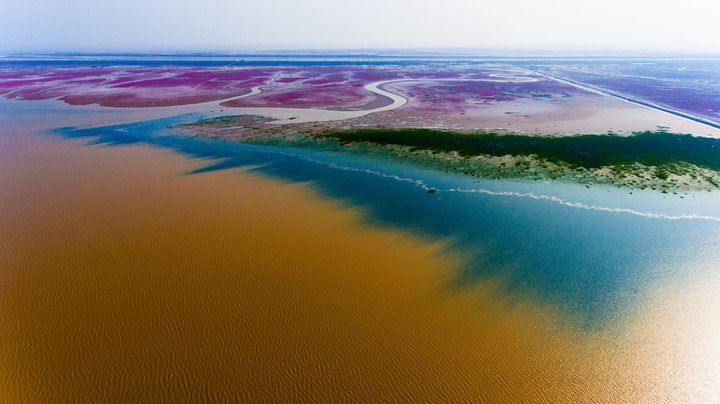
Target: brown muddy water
pixel 123 279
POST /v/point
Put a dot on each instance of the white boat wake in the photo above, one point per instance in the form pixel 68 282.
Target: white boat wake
pixel 512 194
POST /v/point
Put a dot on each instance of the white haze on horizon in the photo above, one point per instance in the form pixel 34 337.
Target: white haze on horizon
pixel 100 25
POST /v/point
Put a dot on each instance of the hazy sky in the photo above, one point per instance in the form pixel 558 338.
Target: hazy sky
pixel 92 25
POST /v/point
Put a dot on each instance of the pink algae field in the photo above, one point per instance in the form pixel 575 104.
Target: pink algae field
pixel 341 87
pixel 460 96
pixel 318 87
pixel 689 86
pixel 130 87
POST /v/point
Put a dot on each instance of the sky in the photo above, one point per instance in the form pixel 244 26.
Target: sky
pixel 228 25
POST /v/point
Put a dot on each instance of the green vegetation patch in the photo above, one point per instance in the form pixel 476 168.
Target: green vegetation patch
pixel 657 149
pixel 227 120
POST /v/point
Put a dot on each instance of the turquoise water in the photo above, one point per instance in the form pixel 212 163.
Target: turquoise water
pixel 590 254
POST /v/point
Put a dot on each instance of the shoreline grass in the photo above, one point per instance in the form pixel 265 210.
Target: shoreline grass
pixel 662 161
pixel 587 151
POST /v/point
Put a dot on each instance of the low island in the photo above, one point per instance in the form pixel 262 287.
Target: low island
pixel 661 161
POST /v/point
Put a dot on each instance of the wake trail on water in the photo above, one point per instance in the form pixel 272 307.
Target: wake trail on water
pixel 513 194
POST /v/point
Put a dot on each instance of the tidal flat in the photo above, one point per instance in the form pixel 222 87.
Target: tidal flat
pixel 137 269
pixel 125 278
pixel 138 263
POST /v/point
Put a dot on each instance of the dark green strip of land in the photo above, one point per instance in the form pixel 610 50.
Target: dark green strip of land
pixel 588 151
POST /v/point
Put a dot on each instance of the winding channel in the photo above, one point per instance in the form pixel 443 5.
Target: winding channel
pixel 303 115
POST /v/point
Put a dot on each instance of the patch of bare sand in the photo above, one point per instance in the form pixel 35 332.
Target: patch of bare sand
pixel 583 114
pixel 561 116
